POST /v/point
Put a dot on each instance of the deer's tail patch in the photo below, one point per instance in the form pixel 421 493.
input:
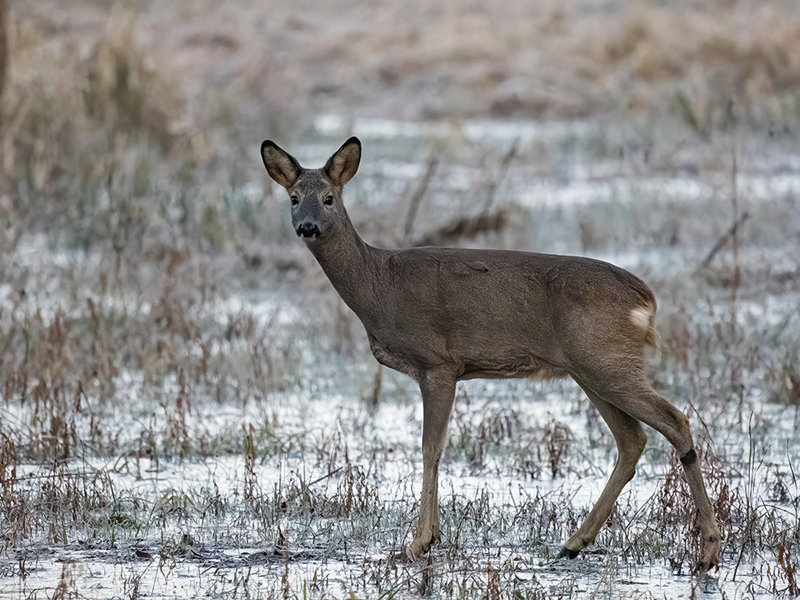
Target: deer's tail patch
pixel 644 318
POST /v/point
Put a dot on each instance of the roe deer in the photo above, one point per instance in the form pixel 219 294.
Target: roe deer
pixel 445 314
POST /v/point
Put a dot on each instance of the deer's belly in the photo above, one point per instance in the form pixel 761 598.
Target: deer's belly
pixel 488 364
pixel 532 369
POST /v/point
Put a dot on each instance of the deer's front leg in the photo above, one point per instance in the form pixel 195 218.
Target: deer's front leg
pixel 438 390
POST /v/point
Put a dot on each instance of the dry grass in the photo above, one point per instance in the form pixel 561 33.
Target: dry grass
pixel 158 318
pixel 689 60
pixel 699 61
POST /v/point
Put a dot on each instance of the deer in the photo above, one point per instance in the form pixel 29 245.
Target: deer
pixel 442 315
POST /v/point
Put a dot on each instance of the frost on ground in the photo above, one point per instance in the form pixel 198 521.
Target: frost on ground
pixel 166 436
pixel 188 409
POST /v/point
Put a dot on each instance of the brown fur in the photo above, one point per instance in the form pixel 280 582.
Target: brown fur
pixel 445 314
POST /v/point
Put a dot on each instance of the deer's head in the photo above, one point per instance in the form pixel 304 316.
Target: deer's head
pixel 316 194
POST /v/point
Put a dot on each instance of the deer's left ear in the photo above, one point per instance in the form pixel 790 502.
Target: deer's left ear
pixel 344 163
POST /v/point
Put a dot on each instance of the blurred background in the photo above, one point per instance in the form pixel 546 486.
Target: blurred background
pixel 99 96
pixel 124 120
pixel 156 307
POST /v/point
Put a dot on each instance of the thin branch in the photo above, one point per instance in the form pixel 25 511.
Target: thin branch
pixel 724 238
pixel 494 185
pixel 414 203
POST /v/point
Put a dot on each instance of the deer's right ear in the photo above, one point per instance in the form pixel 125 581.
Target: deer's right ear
pixel 281 165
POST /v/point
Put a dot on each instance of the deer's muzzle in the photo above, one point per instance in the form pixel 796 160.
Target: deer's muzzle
pixel 307 230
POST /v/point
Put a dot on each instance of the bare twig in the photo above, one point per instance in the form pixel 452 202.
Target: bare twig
pixel 730 233
pixel 374 397
pixel 330 474
pixel 3 50
pixel 737 271
pixel 416 198
pixel 494 184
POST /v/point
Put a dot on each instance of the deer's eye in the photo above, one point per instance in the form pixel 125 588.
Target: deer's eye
pixel 328 201
pixel 295 200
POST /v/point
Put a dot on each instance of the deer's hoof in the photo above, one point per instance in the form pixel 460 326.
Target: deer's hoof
pixel 709 555
pixel 567 553
pixel 417 548
pixel 413 552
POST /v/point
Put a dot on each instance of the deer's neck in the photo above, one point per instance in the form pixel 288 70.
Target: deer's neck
pixel 353 269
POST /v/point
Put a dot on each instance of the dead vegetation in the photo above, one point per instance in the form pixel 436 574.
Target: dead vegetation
pixel 181 391
pixel 3 50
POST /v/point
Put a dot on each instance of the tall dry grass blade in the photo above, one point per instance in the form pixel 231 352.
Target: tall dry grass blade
pixel 723 239
pixel 416 198
pixel 3 52
pixel 494 184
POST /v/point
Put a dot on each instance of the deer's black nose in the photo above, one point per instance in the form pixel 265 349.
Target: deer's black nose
pixel 307 229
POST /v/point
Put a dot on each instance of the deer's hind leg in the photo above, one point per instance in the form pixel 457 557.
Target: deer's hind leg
pixel 629 391
pixel 631 440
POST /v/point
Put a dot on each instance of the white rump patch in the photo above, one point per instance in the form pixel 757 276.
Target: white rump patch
pixel 641 316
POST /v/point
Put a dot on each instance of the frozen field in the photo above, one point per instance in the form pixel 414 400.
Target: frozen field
pixel 187 409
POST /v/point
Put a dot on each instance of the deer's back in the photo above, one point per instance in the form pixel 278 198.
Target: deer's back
pixel 497 313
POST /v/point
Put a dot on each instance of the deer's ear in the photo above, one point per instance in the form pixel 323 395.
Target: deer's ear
pixel 281 165
pixel 344 163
